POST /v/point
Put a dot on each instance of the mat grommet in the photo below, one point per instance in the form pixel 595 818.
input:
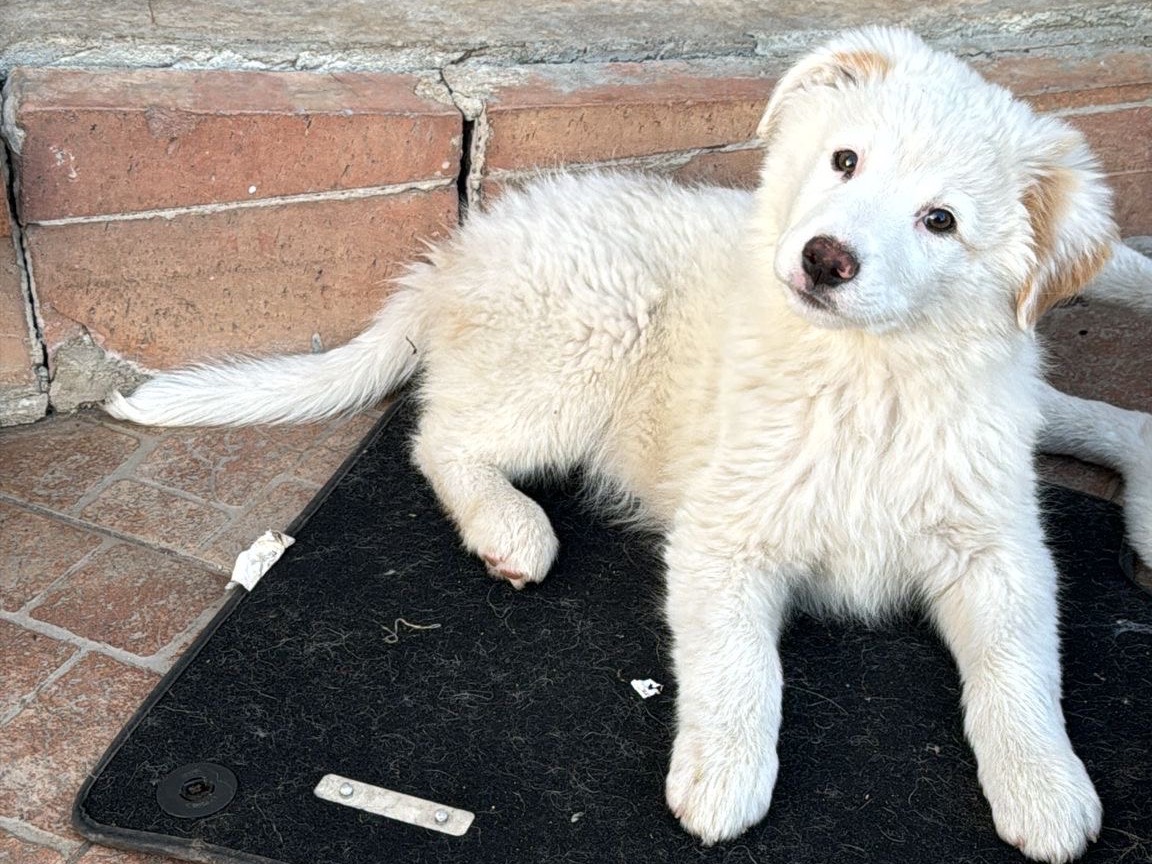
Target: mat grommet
pixel 196 790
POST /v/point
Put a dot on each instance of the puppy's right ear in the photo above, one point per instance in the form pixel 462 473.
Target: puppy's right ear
pixel 838 65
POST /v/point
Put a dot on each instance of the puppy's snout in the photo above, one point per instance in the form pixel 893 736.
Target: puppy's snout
pixel 828 262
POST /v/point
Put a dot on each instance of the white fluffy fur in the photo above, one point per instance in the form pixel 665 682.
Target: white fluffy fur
pixel 871 452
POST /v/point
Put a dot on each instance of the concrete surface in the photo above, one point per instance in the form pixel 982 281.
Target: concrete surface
pixel 431 34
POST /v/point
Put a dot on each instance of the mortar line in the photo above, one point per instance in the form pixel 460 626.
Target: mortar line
pixel 670 160
pixel 39 353
pixel 261 203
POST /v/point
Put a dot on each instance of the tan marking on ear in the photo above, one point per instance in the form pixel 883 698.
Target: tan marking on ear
pixel 1055 281
pixel 863 64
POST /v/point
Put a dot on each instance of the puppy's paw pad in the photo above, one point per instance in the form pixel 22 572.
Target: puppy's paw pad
pixel 718 788
pixel 1047 810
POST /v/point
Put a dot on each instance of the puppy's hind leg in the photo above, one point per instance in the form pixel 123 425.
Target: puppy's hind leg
pixel 497 522
pixel 1114 437
pixel 1126 279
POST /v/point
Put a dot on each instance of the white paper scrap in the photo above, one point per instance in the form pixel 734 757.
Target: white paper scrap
pixel 647 688
pixel 255 561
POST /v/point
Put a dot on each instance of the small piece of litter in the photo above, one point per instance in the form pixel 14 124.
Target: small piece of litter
pixel 647 688
pixel 255 561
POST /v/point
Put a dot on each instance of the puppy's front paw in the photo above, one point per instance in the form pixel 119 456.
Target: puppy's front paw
pixel 514 538
pixel 1046 808
pixel 720 782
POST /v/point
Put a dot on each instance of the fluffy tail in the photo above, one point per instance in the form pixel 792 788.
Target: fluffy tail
pixel 291 389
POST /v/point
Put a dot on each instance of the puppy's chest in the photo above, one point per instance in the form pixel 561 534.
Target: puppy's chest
pixel 861 484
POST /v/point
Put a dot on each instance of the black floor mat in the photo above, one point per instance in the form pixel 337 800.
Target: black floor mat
pixel 378 650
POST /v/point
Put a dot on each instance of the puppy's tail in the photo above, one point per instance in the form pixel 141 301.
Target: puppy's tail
pixel 292 389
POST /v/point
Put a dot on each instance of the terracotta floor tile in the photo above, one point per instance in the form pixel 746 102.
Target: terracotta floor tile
pixel 34 552
pixel 13 850
pixel 57 461
pixel 132 598
pixel 323 460
pixel 1090 479
pixel 51 745
pixel 228 466
pixel 29 658
pixel 1101 352
pixel 104 855
pixel 280 507
pixel 154 515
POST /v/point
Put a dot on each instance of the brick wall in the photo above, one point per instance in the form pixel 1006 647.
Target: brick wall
pixel 169 216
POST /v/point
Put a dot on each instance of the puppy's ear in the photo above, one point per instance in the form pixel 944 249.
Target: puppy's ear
pixel 833 66
pixel 1069 209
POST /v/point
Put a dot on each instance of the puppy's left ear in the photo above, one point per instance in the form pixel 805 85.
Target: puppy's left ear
pixel 1069 208
pixel 831 66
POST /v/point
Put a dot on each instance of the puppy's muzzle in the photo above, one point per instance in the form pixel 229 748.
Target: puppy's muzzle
pixel 827 263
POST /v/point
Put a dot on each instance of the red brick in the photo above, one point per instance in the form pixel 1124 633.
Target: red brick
pixel 1121 138
pixel 1051 84
pixel 16 348
pixel 736 169
pixel 166 291
pixel 52 744
pixel 1133 194
pixel 132 598
pixel 117 141
pixel 617 111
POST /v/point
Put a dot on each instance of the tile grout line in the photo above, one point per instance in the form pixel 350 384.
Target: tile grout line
pixel 51 678
pixel 38 836
pixel 105 531
pixel 151 663
pixel 39 598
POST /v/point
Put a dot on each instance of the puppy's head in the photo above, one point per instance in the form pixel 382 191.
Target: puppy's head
pixel 901 188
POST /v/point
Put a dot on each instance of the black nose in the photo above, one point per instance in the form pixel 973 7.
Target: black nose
pixel 828 262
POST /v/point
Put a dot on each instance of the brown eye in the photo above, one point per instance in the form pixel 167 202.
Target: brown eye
pixel 845 161
pixel 940 221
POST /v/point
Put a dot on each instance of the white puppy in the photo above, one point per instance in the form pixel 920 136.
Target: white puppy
pixel 825 393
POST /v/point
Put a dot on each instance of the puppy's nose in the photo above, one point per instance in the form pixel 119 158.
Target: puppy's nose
pixel 828 262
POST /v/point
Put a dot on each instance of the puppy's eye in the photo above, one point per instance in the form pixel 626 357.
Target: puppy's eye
pixel 845 161
pixel 940 221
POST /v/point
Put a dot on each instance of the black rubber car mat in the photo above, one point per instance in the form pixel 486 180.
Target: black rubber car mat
pixel 377 650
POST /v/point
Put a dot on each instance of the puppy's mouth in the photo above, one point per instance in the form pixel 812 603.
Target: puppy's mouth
pixel 814 299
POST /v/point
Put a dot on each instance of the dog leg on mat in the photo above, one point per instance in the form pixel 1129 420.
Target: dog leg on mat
pixel 497 522
pixel 1117 438
pixel 999 618
pixel 725 620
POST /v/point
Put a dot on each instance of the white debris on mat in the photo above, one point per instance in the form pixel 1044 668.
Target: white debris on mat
pixel 647 688
pixel 255 561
